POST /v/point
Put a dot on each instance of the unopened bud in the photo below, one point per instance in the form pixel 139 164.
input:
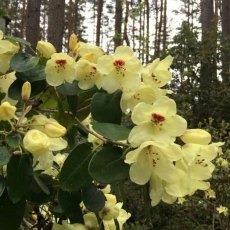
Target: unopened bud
pixel 72 41
pixel 89 57
pixel 54 129
pixel 7 111
pixel 46 49
pixel 196 136
pixel 26 91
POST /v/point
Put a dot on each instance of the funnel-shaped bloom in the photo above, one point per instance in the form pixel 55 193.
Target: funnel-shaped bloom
pixel 119 71
pixel 152 157
pixel 158 122
pixel 143 93
pixel 87 74
pixel 157 73
pixel 60 68
pixel 7 111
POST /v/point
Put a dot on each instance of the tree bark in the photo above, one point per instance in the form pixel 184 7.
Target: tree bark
pixel 56 23
pixel 118 24
pixel 32 22
pixel 99 14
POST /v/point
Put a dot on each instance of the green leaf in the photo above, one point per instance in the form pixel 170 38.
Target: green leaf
pixel 106 107
pixel 11 214
pixel 107 165
pixel 15 89
pixel 93 198
pixel 74 174
pixel 19 172
pixel 4 156
pixel 21 62
pixel 40 189
pixel 70 203
pixel 13 140
pixel 111 131
pixel 2 185
pixel 35 74
pixel 19 40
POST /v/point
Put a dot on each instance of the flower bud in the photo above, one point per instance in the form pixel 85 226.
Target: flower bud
pixel 26 91
pixel 196 136
pixel 7 111
pixel 72 41
pixel 46 49
pixel 36 142
pixel 54 129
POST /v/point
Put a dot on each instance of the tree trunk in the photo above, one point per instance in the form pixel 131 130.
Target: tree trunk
pixel 32 22
pixel 226 42
pixel 147 31
pixel 118 24
pixel 99 14
pixel 56 23
pixel 126 38
pixel 164 39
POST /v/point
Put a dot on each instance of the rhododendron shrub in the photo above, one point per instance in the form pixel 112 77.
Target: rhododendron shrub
pixel 64 143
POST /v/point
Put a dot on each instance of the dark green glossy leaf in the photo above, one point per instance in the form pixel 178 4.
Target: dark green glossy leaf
pixel 19 40
pixel 93 198
pixel 4 156
pixel 23 61
pixel 13 140
pixel 35 74
pixel 70 203
pixel 111 131
pixel 2 95
pixel 107 165
pixel 19 174
pixel 11 214
pixel 74 174
pixel 40 189
pixel 106 107
pixel 2 185
pixel 16 88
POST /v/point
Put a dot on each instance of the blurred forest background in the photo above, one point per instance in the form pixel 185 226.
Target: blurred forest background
pixel 200 46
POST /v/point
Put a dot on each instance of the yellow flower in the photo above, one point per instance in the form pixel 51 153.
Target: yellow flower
pixel 41 147
pixel 143 93
pixel 222 162
pixel 156 73
pixel 181 200
pixel 7 111
pixel 60 68
pixel 210 193
pixel 196 136
pixel 5 82
pixel 120 71
pixel 48 126
pixel 93 51
pixel 46 49
pixel 153 158
pixel 158 122
pixel 222 209
pixel 197 166
pixel 7 51
pixel 86 74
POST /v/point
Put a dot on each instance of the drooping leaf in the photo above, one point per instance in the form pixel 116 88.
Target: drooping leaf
pixel 19 40
pixel 19 174
pixel 11 214
pixel 93 198
pixel 107 165
pixel 111 131
pixel 4 156
pixel 23 61
pixel 106 107
pixel 74 174
pixel 70 203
